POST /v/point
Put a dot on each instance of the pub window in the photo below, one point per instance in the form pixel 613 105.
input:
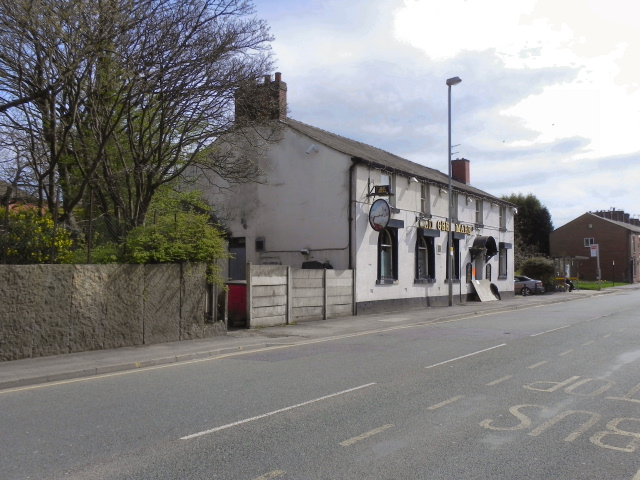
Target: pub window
pixel 456 260
pixel 387 255
pixel 454 207
pixel 502 267
pixel 425 260
pixel 588 242
pixel 425 204
pixel 478 211
pixel 503 217
pixel 488 272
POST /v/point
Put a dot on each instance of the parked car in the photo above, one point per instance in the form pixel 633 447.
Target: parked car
pixel 526 286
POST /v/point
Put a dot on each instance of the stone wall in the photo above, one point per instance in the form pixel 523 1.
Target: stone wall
pixel 55 309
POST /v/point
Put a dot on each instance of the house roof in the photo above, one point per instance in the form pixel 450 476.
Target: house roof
pixel 628 226
pixel 379 158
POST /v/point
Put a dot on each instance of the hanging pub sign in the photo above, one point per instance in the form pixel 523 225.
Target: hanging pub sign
pixel 379 214
pixel 382 190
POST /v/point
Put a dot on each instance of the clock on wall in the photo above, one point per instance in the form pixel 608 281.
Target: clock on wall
pixel 379 214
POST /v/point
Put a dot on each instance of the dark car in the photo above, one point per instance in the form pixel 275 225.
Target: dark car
pixel 526 286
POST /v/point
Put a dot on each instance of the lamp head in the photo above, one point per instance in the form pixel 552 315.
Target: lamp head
pixel 453 81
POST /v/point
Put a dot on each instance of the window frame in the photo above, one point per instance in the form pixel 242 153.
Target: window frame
pixel 392 250
pixel 425 273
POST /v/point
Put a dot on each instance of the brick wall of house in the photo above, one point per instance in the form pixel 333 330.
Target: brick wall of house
pixel 614 243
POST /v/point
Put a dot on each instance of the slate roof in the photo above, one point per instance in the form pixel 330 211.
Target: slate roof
pixel 628 226
pixel 384 160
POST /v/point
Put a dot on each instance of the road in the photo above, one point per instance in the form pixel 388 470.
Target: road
pixel 542 393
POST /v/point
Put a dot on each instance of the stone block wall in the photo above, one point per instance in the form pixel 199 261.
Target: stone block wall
pixel 55 309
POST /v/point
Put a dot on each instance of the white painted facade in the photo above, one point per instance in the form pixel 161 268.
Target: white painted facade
pixel 315 207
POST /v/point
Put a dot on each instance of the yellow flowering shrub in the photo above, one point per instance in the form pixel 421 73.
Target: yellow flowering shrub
pixel 27 237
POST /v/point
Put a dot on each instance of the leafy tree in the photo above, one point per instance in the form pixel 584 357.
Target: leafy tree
pixel 532 224
pixel 182 230
pixel 122 96
pixel 29 237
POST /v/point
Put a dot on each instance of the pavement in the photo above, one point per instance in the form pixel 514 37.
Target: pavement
pixel 67 367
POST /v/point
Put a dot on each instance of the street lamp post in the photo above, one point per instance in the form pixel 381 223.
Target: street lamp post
pixel 450 82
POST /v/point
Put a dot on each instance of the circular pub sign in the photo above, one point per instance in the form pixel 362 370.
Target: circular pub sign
pixel 379 214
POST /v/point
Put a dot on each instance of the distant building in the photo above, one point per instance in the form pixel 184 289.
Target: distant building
pixel 335 202
pixel 618 239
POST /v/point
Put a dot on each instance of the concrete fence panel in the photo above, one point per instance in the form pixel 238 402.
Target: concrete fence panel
pixel 279 295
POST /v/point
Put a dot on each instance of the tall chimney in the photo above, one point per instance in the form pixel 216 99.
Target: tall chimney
pixel 460 170
pixel 256 102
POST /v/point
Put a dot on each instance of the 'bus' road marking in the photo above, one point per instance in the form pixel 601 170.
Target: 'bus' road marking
pixel 495 382
pixel 274 474
pixel 565 353
pixel 465 356
pixel 368 434
pixel 536 365
pixel 446 402
pixel 246 420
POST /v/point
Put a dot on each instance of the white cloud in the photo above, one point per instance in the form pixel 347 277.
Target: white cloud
pixel 550 91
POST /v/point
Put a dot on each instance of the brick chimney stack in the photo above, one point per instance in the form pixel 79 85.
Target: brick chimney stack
pixel 460 170
pixel 259 101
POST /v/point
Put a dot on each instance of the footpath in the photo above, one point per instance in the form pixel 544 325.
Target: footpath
pixel 34 371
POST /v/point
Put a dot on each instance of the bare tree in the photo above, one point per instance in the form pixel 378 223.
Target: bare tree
pixel 122 96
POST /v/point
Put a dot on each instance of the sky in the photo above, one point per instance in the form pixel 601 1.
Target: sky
pixel 549 102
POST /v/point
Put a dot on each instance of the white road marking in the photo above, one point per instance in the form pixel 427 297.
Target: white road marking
pixel 536 365
pixel 465 356
pixel 607 335
pixel 549 331
pixel 368 434
pixel 565 353
pixel 500 380
pixel 636 476
pixel 446 402
pixel 274 474
pixel 258 417
pixel 588 343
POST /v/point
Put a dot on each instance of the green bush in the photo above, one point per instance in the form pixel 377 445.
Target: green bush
pixel 27 237
pixel 539 268
pixel 181 237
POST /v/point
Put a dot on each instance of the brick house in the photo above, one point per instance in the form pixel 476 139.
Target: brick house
pixel 618 239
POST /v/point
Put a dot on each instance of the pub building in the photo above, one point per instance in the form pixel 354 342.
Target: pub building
pixel 336 202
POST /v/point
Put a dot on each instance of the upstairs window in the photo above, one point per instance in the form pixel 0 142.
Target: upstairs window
pixel 479 212
pixel 503 217
pixel 425 203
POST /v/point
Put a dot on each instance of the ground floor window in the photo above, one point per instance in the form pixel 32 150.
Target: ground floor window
pixel 488 272
pixel 502 267
pixel 388 255
pixel 425 260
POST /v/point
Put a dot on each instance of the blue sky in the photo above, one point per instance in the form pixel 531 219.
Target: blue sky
pixel 549 102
